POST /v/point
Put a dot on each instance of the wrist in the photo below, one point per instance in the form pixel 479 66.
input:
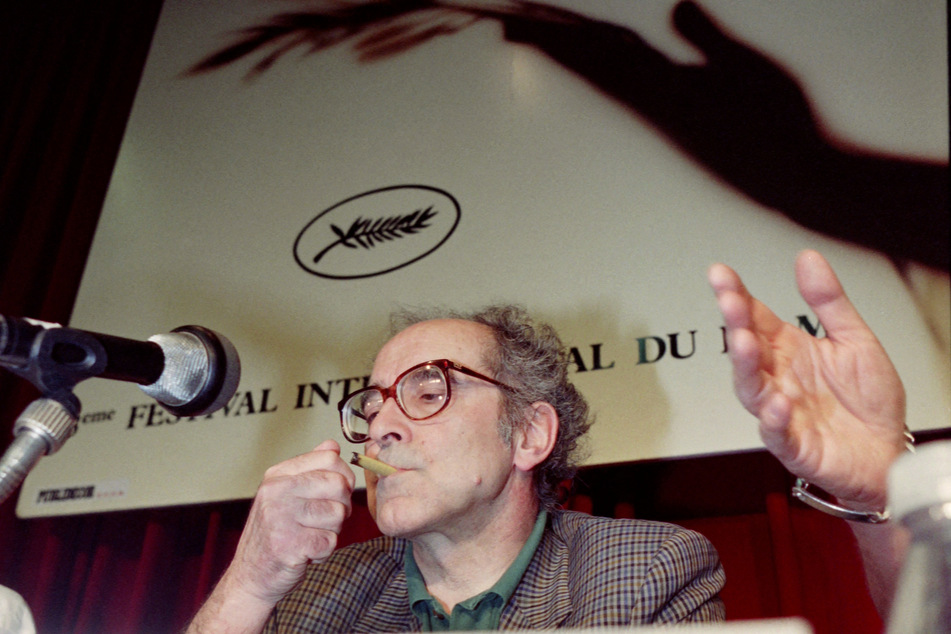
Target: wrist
pixel 231 608
pixel 869 510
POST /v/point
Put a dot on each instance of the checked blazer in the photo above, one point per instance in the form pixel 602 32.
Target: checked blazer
pixel 587 572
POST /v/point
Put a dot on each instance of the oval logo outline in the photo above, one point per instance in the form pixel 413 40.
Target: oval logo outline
pixel 418 217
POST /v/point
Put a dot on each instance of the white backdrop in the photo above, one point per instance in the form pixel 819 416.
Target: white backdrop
pixel 548 194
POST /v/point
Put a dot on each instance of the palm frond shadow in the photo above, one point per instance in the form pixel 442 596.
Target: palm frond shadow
pixel 380 28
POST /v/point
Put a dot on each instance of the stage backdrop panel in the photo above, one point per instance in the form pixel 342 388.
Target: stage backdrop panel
pixel 246 205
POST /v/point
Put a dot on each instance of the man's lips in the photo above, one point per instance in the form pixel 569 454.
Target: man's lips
pixel 401 461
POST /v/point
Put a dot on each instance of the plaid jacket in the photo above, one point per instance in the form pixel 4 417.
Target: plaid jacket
pixel 587 572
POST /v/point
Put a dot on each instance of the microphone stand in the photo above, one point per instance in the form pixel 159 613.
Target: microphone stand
pixel 46 423
pixel 40 430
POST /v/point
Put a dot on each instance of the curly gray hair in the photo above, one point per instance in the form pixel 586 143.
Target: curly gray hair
pixel 530 357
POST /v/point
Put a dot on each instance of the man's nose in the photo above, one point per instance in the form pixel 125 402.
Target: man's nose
pixel 390 424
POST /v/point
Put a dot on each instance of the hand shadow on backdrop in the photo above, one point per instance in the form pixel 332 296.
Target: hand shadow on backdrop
pixel 739 114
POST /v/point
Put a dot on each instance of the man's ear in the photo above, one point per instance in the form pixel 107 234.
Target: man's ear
pixel 536 438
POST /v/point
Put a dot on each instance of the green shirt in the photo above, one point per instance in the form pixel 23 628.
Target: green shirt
pixel 481 612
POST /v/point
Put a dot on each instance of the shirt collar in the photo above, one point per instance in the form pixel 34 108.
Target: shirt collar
pixel 504 588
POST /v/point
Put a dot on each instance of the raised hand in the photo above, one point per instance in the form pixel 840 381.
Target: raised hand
pixel 832 410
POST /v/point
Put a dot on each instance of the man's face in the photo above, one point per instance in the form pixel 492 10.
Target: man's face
pixel 455 470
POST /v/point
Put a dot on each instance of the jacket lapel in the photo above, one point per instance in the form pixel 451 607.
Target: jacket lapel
pixel 542 600
pixel 391 611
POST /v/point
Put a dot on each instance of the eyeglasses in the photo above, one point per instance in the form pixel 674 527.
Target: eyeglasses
pixel 420 392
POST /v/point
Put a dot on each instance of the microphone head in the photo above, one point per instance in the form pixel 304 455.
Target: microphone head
pixel 201 374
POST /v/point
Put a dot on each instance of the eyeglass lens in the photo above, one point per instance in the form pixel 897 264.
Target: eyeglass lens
pixel 421 393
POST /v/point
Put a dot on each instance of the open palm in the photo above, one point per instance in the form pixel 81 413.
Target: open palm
pixel 832 410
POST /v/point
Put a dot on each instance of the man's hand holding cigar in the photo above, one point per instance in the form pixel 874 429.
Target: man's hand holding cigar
pixel 295 519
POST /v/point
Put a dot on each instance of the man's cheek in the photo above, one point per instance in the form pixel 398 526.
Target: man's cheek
pixel 372 481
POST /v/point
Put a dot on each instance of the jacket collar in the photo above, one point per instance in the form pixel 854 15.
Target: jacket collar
pixel 542 600
pixel 391 612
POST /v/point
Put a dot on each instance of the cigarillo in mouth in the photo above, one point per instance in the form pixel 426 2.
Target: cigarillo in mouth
pixel 370 464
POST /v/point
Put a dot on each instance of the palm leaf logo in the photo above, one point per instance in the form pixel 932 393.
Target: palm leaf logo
pixel 366 232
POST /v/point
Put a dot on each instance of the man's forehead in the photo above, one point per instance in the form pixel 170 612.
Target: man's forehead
pixel 456 339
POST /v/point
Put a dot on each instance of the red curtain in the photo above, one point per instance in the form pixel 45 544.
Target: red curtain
pixel 69 70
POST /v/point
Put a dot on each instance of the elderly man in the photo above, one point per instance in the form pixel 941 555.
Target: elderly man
pixel 478 418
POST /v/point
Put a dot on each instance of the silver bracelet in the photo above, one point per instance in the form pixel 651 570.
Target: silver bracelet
pixel 801 492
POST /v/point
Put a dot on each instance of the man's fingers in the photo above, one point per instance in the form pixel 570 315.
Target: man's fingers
pixel 733 299
pixel 323 514
pixel 322 544
pixel 746 355
pixel 775 419
pixel 296 518
pixel 328 445
pixel 749 327
pixel 309 485
pixel 324 457
pixel 723 278
pixel 820 287
pixel 316 458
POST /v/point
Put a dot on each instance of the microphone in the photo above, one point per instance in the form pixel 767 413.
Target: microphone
pixel 190 371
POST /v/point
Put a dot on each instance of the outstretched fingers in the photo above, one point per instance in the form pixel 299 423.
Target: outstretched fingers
pixel 820 287
pixel 749 326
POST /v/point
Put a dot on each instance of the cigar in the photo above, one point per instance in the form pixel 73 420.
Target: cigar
pixel 370 464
